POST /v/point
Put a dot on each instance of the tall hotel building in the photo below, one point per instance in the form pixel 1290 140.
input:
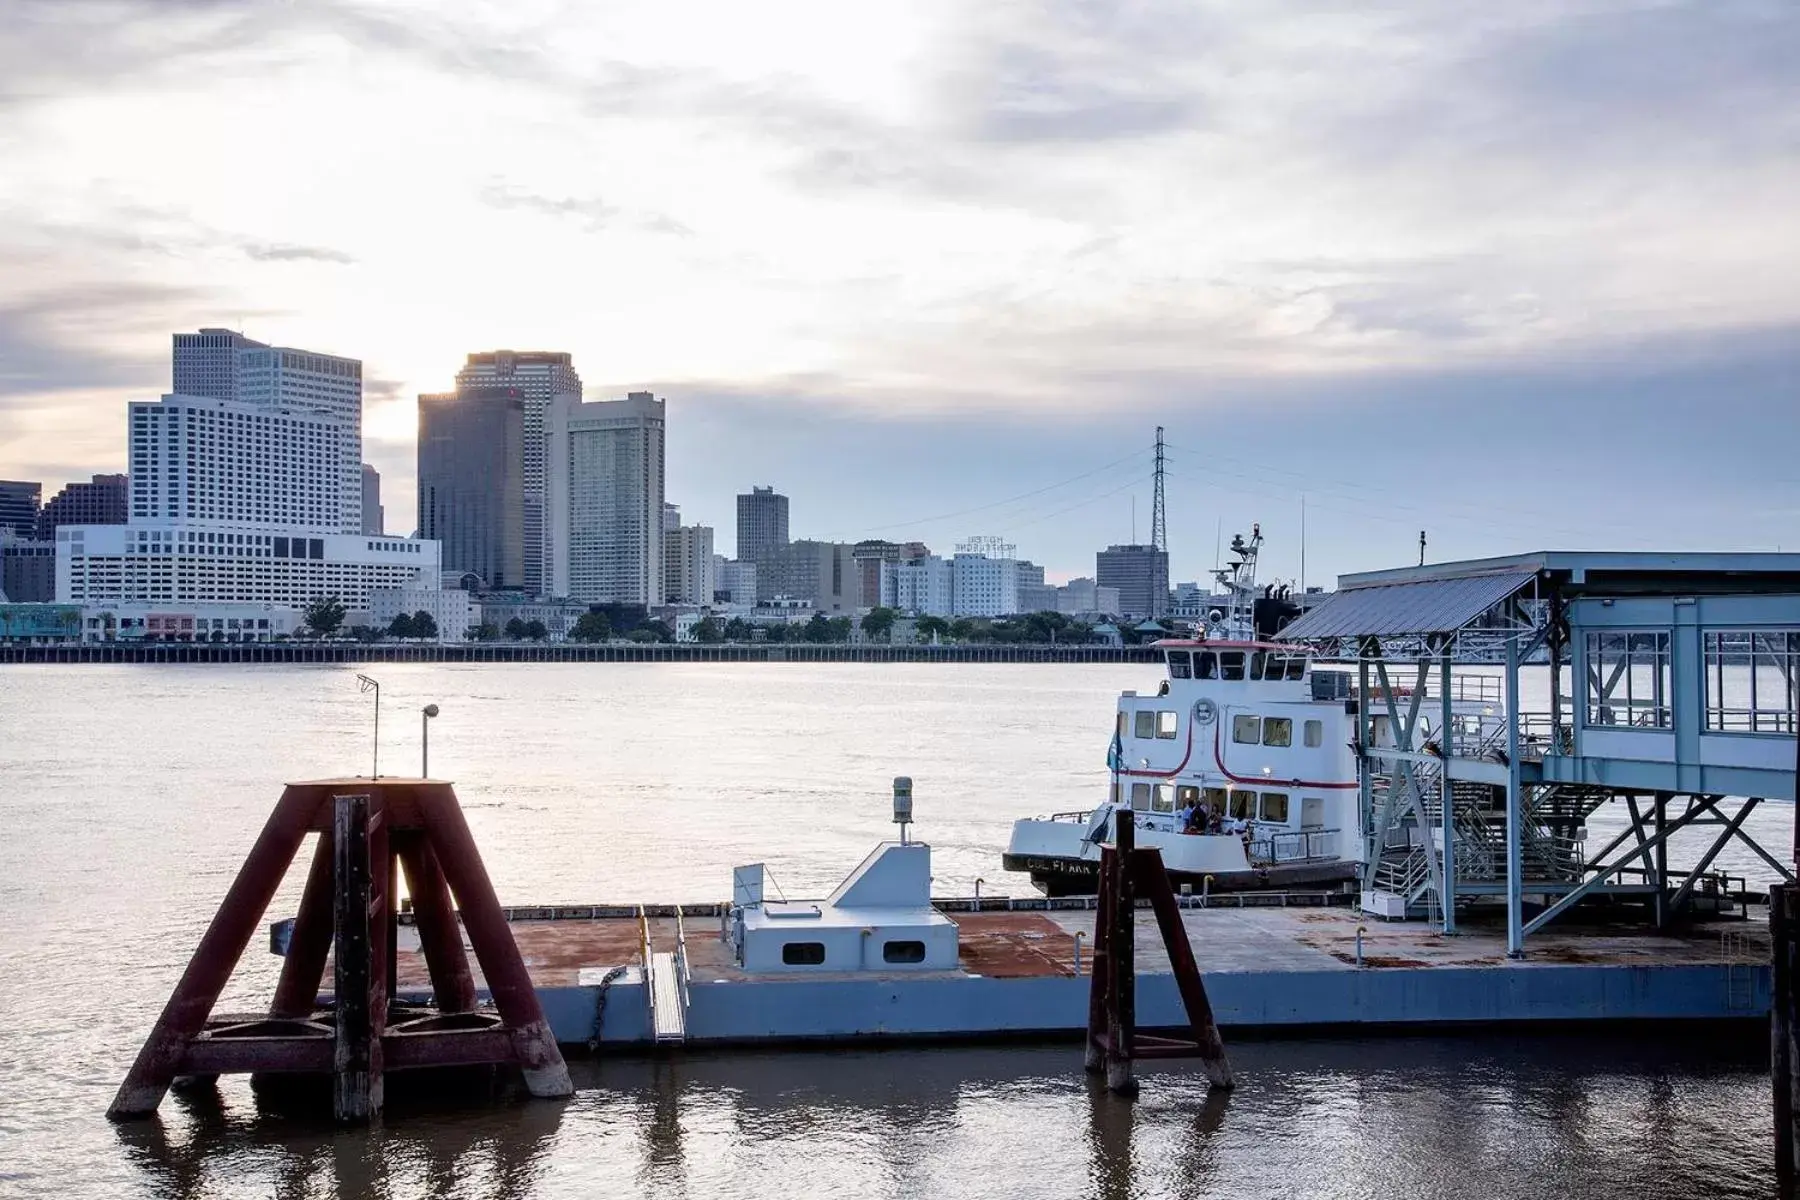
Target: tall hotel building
pixel 223 364
pixel 541 377
pixel 241 500
pixel 471 482
pixel 605 499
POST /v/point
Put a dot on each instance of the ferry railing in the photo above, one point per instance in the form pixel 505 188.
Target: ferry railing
pixel 644 960
pixel 1303 845
pixel 681 958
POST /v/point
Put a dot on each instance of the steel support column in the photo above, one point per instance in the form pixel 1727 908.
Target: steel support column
pixel 1515 811
pixel 1447 789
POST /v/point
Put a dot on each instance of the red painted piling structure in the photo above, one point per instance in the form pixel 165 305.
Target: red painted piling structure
pixel 368 831
pixel 1113 1041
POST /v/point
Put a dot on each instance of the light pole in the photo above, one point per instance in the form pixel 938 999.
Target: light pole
pixel 364 683
pixel 425 715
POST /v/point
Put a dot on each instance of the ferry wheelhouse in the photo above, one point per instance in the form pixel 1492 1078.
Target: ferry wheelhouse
pixel 1240 768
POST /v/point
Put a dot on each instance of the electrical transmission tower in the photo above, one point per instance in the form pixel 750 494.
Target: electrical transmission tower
pixel 1159 524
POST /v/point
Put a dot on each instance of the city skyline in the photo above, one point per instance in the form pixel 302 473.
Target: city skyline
pixel 1314 246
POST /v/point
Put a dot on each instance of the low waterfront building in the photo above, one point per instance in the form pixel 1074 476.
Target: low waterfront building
pixel 35 624
pixel 27 569
pixel 559 616
pixel 99 564
pixel 452 610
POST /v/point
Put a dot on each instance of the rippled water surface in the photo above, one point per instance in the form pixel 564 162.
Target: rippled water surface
pixel 128 796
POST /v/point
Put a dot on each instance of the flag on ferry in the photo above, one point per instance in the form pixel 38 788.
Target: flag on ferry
pixel 1115 753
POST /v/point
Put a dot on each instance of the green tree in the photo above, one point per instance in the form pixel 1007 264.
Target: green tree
pixel 839 629
pixel 961 628
pixel 817 630
pixel 707 631
pixel 324 615
pixel 218 635
pixel 536 630
pixel 592 627
pixel 401 626
pixel 424 625
pixel 933 628
pixel 738 630
pixel 879 623
pixel 641 635
pixel 515 630
pixel 660 629
pixel 487 631
pixel 777 632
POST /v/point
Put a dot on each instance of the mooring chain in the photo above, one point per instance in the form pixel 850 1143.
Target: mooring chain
pixel 606 982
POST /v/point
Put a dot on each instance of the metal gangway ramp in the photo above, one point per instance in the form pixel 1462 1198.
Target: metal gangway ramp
pixel 666 982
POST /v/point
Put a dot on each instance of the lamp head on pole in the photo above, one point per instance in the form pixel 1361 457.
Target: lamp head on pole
pixel 431 710
pixel 364 683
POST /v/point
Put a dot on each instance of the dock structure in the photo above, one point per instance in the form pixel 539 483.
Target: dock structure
pixel 1685 673
pixel 369 830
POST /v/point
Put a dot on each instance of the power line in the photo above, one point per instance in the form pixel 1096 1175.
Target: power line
pixel 1051 487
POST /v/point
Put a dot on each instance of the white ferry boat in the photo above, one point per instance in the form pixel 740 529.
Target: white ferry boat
pixel 1241 768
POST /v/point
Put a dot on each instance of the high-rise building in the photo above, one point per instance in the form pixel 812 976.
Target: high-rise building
pixel 220 464
pixel 19 503
pixel 102 501
pixel 604 499
pixel 762 522
pixel 1141 573
pixel 222 364
pixel 737 581
pixel 374 517
pixel 689 576
pixel 27 569
pixel 981 586
pixel 671 517
pixel 920 586
pixel 870 554
pixel 823 574
pixel 541 376
pixel 472 482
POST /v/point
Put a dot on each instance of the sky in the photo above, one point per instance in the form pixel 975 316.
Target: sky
pixel 1521 276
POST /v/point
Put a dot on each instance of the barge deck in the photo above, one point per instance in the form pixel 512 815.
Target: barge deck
pixel 1268 969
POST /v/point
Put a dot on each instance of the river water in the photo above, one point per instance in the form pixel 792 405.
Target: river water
pixel 129 794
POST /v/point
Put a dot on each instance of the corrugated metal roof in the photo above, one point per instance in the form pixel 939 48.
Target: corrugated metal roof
pixel 1390 610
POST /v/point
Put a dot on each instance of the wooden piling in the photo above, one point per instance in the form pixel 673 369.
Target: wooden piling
pixel 1784 1035
pixel 353 1098
pixel 1121 1028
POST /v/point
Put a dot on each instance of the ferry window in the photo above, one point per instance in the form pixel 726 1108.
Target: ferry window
pixel 1206 665
pixel 1146 723
pixel 1246 728
pixel 1296 667
pixel 1243 805
pixel 1274 807
pixel 1140 797
pixel 1166 723
pixel 1187 795
pixel 1231 666
pixel 1215 800
pixel 903 952
pixel 1314 733
pixel 1277 731
pixel 1165 799
pixel 803 954
pixel 1257 659
pixel 1181 665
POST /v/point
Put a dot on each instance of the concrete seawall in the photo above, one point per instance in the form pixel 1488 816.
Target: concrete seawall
pixel 380 652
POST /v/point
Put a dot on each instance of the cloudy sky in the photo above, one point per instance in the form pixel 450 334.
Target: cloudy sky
pixel 1524 275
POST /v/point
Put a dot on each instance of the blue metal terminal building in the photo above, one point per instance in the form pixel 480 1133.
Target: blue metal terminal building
pixel 1672 687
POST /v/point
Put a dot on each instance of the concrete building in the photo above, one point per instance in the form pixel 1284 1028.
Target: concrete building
pixel 1034 594
pixel 472 481
pixel 872 553
pixel 453 610
pixel 541 377
pixel 222 364
pixel 27 569
pixel 737 581
pixel 215 622
pixel 374 517
pixel 39 624
pixel 981 586
pixel 822 574
pixel 1141 573
pixel 921 586
pixel 688 574
pixel 19 504
pixel 110 564
pixel 101 501
pixel 220 464
pixel 605 499
pixel 1081 597
pixel 762 523
pixel 671 516
pixel 558 616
